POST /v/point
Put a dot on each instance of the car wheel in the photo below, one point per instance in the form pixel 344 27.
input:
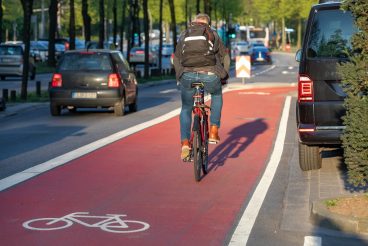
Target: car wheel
pixel 119 107
pixel 2 77
pixel 55 110
pixel 310 157
pixel 134 106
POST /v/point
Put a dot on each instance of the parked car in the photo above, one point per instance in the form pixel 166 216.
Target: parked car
pixel 240 48
pixel 260 54
pixel 39 51
pixel 11 61
pixel 92 79
pixel 59 48
pixel 167 49
pixel 320 96
pixel 137 56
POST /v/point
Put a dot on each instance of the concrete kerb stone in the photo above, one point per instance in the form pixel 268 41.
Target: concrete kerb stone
pixel 323 217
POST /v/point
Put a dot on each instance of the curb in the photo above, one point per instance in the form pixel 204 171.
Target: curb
pixel 321 216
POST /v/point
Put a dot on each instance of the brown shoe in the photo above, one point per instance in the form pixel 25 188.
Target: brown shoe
pixel 185 149
pixel 213 136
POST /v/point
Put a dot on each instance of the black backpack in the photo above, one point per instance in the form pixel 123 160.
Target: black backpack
pixel 198 46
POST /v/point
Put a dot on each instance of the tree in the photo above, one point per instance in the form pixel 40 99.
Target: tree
pixel 71 25
pixel 115 24
pixel 146 39
pixel 173 21
pixel 101 36
pixel 27 6
pixel 122 26
pixel 161 35
pixel 86 21
pixel 1 21
pixel 355 83
pixel 52 31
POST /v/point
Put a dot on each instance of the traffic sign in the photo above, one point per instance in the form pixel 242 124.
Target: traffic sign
pixel 243 67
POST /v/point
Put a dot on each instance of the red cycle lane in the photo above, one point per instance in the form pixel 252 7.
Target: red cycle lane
pixel 142 177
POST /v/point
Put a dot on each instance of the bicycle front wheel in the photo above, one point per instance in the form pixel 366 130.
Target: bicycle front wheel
pixel 205 147
pixel 197 154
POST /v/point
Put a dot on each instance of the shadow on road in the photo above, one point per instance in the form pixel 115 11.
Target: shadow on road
pixel 238 140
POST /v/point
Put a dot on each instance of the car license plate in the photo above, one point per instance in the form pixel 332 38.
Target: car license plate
pixel 84 95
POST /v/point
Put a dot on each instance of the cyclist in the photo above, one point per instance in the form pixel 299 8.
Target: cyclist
pixel 200 56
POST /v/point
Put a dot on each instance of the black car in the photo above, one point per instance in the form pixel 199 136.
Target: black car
pixel 327 42
pixel 93 79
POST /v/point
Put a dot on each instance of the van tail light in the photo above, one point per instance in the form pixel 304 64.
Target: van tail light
pixel 57 80
pixel 114 80
pixel 305 89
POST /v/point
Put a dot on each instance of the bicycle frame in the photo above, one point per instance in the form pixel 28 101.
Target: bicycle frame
pixel 199 110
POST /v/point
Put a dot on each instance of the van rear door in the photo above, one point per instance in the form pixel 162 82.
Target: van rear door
pixel 328 44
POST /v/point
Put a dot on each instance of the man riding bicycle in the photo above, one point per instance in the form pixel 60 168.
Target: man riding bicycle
pixel 200 56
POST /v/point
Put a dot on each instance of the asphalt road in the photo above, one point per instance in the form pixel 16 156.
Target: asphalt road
pixel 32 137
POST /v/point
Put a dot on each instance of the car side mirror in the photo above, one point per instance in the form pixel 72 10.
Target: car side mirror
pixel 298 56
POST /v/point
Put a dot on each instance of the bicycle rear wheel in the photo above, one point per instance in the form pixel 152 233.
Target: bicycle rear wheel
pixel 197 155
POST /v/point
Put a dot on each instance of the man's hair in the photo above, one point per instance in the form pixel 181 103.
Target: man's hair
pixel 203 17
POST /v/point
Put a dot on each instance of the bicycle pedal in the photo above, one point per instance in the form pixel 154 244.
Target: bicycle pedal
pixel 187 159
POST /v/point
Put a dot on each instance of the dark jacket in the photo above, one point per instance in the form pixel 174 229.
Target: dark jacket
pixel 221 69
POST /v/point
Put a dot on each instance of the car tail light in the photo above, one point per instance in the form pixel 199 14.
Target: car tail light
pixel 57 80
pixel 305 89
pixel 114 80
pixel 140 52
pixel 66 46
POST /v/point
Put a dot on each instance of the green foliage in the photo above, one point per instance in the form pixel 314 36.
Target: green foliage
pixel 355 80
pixel 331 202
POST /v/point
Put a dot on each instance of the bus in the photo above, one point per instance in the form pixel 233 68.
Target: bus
pixel 253 34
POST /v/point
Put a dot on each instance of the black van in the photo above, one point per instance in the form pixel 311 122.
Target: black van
pixel 327 42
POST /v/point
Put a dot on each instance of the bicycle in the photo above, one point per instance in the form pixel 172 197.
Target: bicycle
pixel 109 223
pixel 199 135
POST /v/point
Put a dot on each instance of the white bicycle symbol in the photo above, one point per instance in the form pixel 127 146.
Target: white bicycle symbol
pixel 109 223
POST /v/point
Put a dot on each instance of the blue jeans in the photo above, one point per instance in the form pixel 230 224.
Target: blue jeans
pixel 212 85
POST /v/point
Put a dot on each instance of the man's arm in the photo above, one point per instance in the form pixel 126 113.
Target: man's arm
pixel 177 57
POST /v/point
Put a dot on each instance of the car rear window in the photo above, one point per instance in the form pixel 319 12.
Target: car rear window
pixel 331 33
pixel 86 61
pixel 11 50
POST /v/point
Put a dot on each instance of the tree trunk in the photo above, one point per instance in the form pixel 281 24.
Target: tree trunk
pixel 206 7
pixel 86 21
pixel 1 21
pixel 27 14
pixel 115 22
pixel 101 36
pixel 283 34
pixel 173 21
pixel 52 31
pixel 138 26
pixel 146 39
pixel 299 42
pixel 72 26
pixel 161 34
pixel 198 6
pixel 130 33
pixel 122 27
pixel 186 14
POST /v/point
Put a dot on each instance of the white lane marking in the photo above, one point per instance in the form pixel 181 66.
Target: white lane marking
pixel 61 160
pixel 312 241
pixel 291 67
pixel 244 228
pixel 264 71
pixel 254 93
pixel 74 154
pixel 168 91
pixel 285 72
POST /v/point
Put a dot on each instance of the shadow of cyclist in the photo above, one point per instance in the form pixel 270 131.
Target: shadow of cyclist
pixel 238 140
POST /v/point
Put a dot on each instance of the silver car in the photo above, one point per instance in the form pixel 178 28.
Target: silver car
pixel 137 56
pixel 11 61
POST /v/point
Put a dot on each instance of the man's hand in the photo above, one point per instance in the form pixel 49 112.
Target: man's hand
pixel 223 82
